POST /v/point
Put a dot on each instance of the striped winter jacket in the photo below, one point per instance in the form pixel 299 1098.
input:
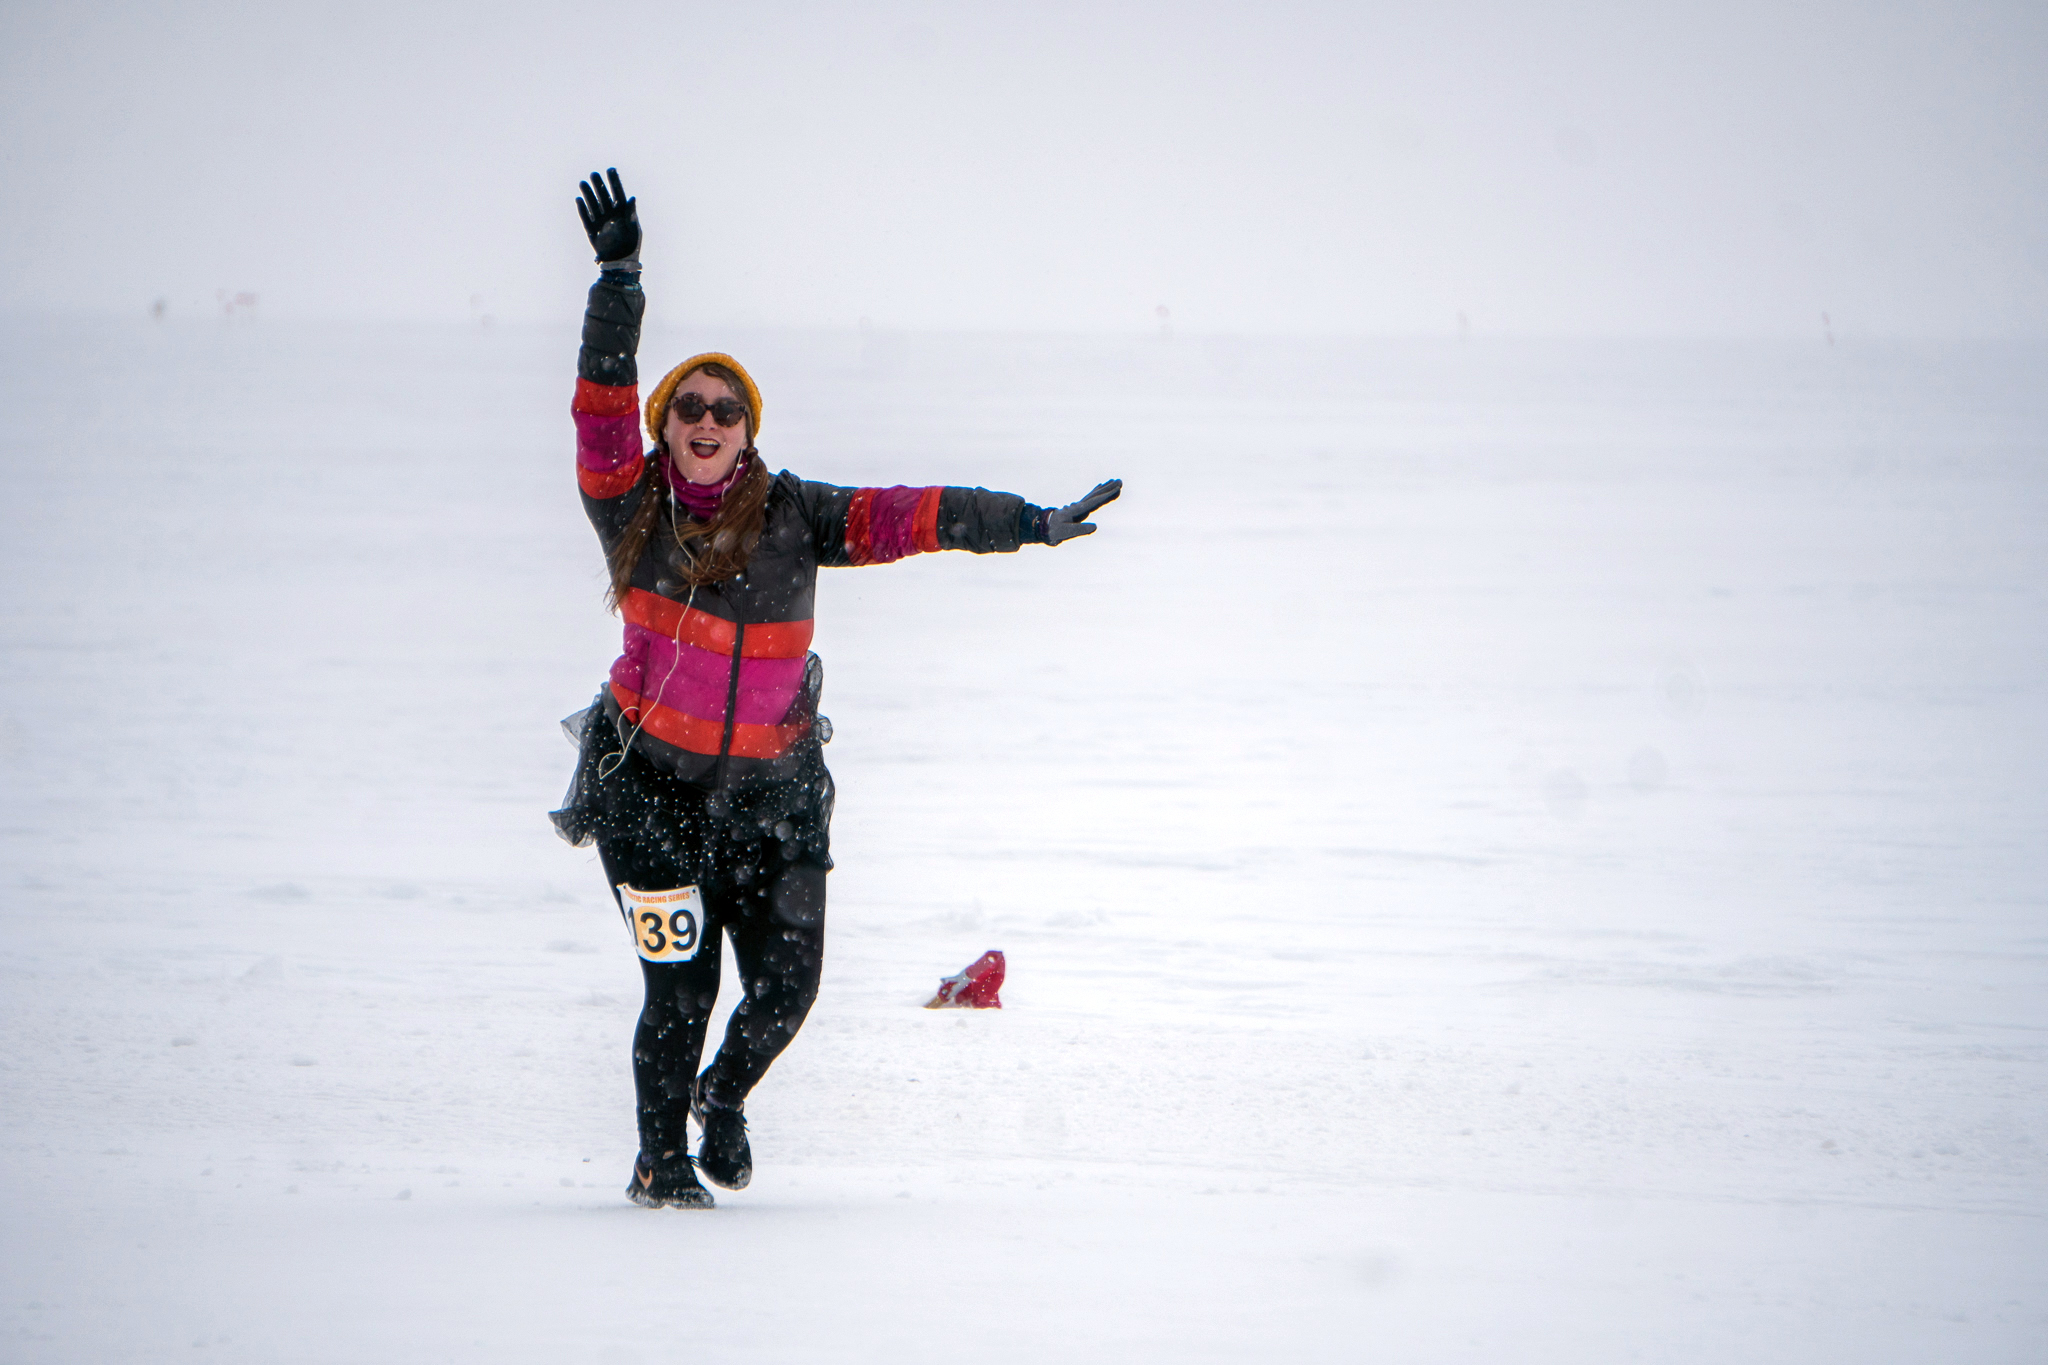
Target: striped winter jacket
pixel 721 680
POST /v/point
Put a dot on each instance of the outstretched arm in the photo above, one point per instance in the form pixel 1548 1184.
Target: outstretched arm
pixel 882 525
pixel 609 458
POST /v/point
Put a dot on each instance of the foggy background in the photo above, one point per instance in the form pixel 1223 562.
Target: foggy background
pixel 1565 169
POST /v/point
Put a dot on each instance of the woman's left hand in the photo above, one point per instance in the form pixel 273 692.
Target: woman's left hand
pixel 610 220
pixel 1064 523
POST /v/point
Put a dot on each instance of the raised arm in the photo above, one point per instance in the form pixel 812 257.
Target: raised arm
pixel 883 525
pixel 609 455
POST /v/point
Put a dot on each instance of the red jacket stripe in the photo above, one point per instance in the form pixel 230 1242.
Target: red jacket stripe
pixel 607 400
pixel 765 640
pixel 602 484
pixel 701 736
pixel 924 526
pixel 859 527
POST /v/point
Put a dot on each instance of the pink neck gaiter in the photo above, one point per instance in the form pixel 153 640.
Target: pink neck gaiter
pixel 701 500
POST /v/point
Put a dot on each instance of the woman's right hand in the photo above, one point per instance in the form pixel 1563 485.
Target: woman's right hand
pixel 611 220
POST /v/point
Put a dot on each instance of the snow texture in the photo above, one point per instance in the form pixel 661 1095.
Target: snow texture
pixel 1513 851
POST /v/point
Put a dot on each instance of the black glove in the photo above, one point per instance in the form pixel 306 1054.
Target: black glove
pixel 611 220
pixel 1064 523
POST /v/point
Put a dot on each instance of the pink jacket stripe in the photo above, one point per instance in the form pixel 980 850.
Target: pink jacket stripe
pixel 691 680
pixel 884 525
pixel 608 456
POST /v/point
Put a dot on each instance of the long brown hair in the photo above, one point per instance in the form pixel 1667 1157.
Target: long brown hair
pixel 699 552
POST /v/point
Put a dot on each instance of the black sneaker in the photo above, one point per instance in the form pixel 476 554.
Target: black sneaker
pixel 667 1182
pixel 724 1154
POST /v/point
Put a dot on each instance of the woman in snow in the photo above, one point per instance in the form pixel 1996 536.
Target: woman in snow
pixel 701 777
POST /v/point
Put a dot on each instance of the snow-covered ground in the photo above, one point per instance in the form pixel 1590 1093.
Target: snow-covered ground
pixel 1507 852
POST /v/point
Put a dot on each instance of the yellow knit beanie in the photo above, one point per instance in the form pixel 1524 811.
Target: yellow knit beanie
pixel 657 402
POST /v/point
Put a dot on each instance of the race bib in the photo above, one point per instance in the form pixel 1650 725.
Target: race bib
pixel 668 926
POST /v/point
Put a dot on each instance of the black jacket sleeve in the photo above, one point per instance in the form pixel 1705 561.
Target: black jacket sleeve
pixel 868 525
pixel 611 330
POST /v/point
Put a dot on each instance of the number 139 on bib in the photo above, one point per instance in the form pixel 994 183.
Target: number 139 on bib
pixel 668 926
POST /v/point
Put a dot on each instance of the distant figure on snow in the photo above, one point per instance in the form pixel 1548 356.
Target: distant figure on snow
pixel 701 776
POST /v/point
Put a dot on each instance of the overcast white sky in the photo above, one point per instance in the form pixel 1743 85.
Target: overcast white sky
pixel 1630 168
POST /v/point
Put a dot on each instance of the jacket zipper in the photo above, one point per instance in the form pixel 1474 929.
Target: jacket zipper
pixel 732 694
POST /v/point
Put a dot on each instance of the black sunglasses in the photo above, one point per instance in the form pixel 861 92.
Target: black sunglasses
pixel 727 412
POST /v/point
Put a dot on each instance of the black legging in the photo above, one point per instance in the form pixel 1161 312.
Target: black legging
pixel 776 917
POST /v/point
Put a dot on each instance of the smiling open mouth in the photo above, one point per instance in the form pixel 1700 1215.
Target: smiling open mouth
pixel 704 450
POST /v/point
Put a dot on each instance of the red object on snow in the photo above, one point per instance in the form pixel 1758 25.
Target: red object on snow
pixel 973 989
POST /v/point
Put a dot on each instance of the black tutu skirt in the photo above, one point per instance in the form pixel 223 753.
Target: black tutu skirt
pixel 720 835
